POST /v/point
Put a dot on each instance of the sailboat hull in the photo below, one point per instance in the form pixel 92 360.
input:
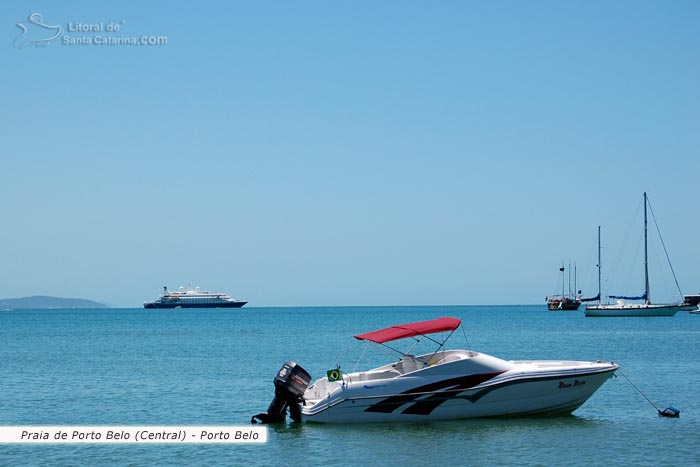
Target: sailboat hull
pixel 569 305
pixel 618 310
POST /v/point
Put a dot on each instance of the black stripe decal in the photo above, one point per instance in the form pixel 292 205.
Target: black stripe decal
pixel 430 403
pixel 450 389
pixel 461 383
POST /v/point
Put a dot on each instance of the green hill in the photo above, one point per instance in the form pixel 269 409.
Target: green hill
pixel 39 302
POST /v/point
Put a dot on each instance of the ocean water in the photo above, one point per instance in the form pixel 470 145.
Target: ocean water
pixel 215 367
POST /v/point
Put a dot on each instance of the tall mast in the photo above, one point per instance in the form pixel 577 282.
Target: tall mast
pixel 562 279
pixel 646 259
pixel 599 266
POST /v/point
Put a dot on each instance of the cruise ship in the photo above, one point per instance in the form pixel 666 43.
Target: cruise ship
pixel 193 298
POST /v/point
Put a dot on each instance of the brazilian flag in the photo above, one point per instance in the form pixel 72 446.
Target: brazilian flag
pixel 334 374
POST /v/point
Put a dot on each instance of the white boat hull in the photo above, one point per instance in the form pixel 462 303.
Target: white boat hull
pixel 440 393
pixel 623 310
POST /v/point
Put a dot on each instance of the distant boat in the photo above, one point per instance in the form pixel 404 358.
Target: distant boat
pixel 570 301
pixel 621 308
pixel 691 299
pixel 193 298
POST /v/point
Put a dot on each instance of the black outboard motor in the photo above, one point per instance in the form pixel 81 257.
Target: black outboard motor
pixel 290 383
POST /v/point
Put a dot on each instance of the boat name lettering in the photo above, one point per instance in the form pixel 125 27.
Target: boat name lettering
pixel 576 383
pixel 374 386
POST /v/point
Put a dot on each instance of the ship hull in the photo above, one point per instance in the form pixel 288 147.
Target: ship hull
pixel 563 304
pixel 195 305
pixel 570 306
pixel 691 300
pixel 615 311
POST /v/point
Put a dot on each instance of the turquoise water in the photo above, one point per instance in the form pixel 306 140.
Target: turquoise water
pixel 215 367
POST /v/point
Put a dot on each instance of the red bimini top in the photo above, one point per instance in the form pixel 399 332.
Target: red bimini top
pixel 401 331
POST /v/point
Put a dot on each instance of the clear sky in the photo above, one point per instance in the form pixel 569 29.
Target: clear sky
pixel 344 153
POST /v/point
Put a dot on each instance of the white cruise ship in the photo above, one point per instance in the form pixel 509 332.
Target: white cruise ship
pixel 193 298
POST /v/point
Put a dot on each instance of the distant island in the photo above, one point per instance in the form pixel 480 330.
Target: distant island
pixel 39 302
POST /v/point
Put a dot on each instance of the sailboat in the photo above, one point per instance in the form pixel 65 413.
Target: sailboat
pixel 564 302
pixel 621 308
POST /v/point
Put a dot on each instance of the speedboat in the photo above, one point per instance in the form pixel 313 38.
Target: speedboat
pixel 441 385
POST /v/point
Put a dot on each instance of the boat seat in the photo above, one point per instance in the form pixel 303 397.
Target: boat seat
pixel 409 363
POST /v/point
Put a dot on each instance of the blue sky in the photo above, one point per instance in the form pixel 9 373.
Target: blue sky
pixel 364 153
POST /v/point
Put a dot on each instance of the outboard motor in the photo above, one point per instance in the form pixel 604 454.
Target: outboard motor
pixel 290 383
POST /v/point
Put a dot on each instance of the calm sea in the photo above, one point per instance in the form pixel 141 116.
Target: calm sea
pixel 215 367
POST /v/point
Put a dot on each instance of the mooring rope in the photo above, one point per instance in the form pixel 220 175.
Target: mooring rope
pixel 638 390
pixel 670 411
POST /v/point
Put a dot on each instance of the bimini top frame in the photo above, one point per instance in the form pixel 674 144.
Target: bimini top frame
pixel 416 330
